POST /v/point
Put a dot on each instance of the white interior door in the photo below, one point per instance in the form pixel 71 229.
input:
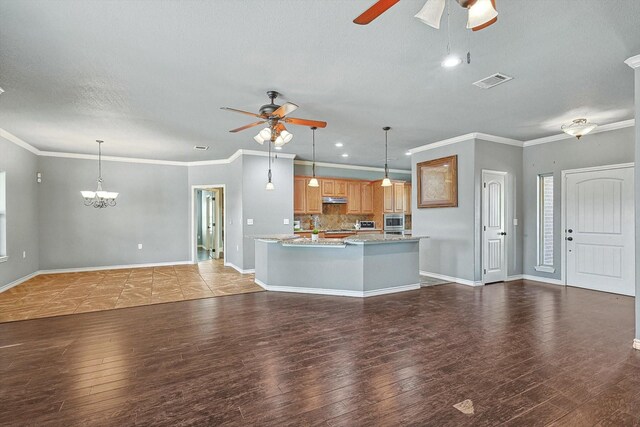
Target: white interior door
pixel 599 232
pixel 493 227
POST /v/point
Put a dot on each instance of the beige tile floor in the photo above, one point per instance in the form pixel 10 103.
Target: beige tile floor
pixel 67 293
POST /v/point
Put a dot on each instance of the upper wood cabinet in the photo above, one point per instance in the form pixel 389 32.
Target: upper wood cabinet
pixel 354 202
pixel 313 198
pixel 333 187
pixel 398 197
pixel 387 198
pixel 366 198
pixel 407 198
pixel 299 195
pixel 328 187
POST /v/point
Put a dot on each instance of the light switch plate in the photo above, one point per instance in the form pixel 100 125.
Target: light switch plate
pixel 139 245
pixel 515 221
pixel 286 221
pixel 249 221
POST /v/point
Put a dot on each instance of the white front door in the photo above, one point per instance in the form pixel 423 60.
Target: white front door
pixel 494 252
pixel 599 231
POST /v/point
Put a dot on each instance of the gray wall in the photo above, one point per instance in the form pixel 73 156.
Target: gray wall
pixel 450 248
pixel 22 211
pixel 606 148
pixel 268 209
pixel 503 158
pixel 322 171
pixel 637 195
pixel 152 210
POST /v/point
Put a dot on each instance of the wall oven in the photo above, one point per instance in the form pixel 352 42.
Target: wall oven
pixel 394 223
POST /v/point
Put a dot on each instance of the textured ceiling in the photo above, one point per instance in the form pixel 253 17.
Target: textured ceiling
pixel 149 77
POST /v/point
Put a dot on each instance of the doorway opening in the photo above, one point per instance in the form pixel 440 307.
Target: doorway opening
pixel 208 234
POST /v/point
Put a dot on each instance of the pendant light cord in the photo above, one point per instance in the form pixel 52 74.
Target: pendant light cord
pixel 99 161
pixel 386 155
pixel 313 138
pixel 269 161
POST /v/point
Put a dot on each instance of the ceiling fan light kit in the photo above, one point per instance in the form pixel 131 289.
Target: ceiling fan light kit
pixel 578 128
pixel 431 13
pixel 481 13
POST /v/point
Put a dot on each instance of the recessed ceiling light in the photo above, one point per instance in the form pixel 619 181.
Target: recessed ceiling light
pixel 278 148
pixel 339 144
pixel 451 61
pixel 408 153
pixel 201 147
pixel 1 90
pixel 345 155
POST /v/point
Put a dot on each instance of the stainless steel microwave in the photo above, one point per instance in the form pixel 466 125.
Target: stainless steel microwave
pixel 393 222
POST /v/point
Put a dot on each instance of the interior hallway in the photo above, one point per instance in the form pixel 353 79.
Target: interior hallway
pixel 67 293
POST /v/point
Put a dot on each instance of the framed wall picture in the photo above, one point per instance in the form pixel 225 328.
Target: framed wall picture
pixel 438 183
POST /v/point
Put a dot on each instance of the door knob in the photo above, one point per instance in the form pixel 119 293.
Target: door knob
pixel 502 233
pixel 570 239
pixel 569 231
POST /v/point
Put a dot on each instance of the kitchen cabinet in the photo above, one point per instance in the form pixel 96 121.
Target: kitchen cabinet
pixel 313 198
pixel 398 197
pixel 299 195
pixel 407 199
pixel 333 187
pixel 387 197
pixel 366 198
pixel 354 202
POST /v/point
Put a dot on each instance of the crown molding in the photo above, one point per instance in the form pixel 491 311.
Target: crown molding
pixel 467 137
pixel 604 128
pixel 353 167
pixel 633 62
pixel 241 152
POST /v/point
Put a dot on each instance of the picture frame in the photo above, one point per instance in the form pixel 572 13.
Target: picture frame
pixel 438 183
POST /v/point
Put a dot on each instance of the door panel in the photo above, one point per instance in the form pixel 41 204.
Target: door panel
pixel 493 229
pixel 600 252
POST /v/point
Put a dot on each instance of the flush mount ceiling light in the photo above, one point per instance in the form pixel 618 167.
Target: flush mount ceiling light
pixel 578 128
pixel 481 13
pixel 386 182
pixel 345 155
pixel 99 198
pixel 313 182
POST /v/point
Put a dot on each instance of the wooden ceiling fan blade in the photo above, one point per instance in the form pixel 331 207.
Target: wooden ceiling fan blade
pixel 247 126
pixel 286 108
pixel 240 111
pixel 374 11
pixel 305 122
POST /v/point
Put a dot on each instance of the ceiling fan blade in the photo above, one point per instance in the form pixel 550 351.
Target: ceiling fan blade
pixel 374 11
pixel 247 126
pixel 305 122
pixel 240 111
pixel 286 108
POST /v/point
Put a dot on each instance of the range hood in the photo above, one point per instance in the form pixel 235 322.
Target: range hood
pixel 334 200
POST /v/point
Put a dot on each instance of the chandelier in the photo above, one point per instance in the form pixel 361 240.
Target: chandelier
pixel 99 198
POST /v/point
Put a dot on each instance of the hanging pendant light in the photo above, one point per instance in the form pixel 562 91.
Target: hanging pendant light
pixel 270 186
pixel 313 182
pixel 386 182
pixel 578 128
pixel 99 198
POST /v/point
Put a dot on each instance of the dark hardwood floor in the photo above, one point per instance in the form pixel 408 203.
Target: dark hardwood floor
pixel 524 353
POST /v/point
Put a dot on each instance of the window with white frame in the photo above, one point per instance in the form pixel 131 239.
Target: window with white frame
pixel 545 223
pixel 3 216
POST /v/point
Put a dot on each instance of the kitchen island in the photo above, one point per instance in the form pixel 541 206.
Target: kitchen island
pixel 357 266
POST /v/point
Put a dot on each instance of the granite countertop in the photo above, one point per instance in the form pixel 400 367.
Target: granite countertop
pixel 304 241
pixel 382 238
pixel 353 230
pixel 274 237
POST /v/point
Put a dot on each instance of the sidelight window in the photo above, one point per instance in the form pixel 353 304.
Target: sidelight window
pixel 545 223
pixel 3 216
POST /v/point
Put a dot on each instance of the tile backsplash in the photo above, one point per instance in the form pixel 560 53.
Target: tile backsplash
pixel 333 217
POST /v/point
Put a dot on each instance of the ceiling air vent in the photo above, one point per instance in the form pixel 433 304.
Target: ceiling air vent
pixel 492 80
pixel 201 147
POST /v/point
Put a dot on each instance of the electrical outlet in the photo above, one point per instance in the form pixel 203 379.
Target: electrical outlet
pixel 249 221
pixel 139 245
pixel 286 221
pixel 24 254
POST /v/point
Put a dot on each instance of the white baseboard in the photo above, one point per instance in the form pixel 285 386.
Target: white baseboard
pixel 514 277
pixel 238 269
pixel 636 344
pixel 18 281
pixel 451 279
pixel 542 279
pixel 112 267
pixel 338 292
